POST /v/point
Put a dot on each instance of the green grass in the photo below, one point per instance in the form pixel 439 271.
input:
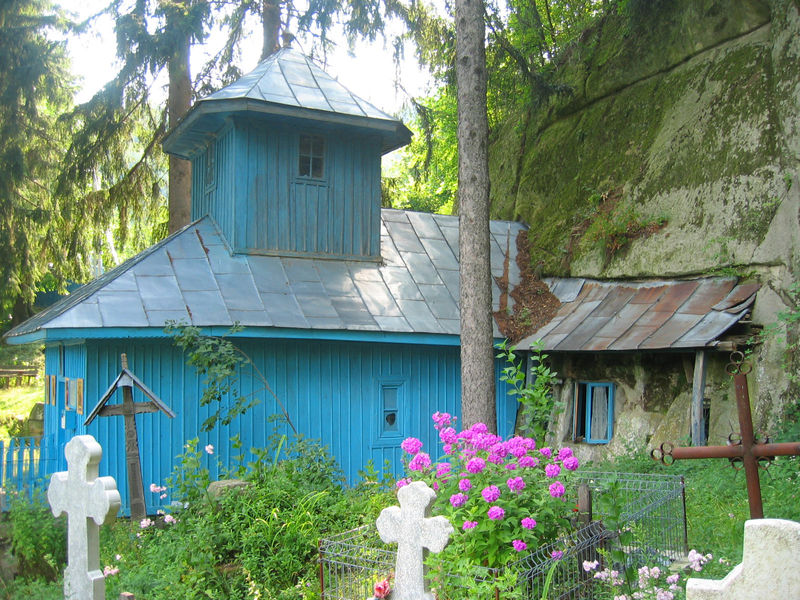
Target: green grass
pixel 17 402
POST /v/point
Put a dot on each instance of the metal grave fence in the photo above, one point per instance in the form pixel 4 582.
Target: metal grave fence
pixel 25 463
pixel 652 506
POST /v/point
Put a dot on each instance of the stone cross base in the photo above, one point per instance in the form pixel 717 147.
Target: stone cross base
pixel 770 568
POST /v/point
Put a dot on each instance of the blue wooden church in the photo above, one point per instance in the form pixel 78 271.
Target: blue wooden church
pixel 349 310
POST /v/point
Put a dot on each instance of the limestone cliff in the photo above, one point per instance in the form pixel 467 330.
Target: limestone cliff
pixel 677 154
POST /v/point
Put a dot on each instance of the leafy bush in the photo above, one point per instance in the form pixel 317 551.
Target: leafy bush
pixel 502 497
pixel 258 541
pixel 38 541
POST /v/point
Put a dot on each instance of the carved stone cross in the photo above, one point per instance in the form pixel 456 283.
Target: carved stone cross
pixel 84 497
pixel 414 531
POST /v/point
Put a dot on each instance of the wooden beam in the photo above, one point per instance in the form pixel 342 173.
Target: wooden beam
pixel 698 392
pixel 113 410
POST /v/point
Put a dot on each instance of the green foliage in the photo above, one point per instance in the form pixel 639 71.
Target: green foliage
pixel 38 541
pixel 614 230
pixel 536 396
pixel 253 542
pixel 218 361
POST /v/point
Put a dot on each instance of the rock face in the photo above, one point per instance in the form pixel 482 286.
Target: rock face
pixel 676 155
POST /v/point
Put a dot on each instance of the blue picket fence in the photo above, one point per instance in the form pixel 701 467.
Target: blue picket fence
pixel 25 466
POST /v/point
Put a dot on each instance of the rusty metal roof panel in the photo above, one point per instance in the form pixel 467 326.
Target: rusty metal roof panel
pixel 674 296
pixel 672 329
pixel 652 315
pixel 741 294
pixel 707 295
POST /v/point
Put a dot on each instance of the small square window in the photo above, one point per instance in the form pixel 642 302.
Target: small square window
pixel 593 417
pixel 390 424
pixel 312 156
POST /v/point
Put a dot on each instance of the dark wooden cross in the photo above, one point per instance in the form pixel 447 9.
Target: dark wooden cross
pixel 129 409
pixel 746 450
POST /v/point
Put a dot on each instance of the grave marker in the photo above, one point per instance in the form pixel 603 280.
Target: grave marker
pixel 414 531
pixel 129 409
pixel 84 497
pixel 770 567
pixel 745 450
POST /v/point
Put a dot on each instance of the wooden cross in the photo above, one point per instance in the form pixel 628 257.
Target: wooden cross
pixel 129 409
pixel 747 449
pixel 414 531
pixel 84 497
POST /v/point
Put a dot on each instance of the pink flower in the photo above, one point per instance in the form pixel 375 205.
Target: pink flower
pixel 570 463
pixel 420 462
pixel 382 588
pixel 476 465
pixel 564 453
pixel 170 519
pixel 528 461
pixel 495 513
pixel 154 488
pixel 145 523
pixel 590 565
pixel 546 452
pixel 442 419
pixel 209 449
pixel 479 428
pixel 511 466
pixel 403 482
pixel 517 446
pixel 556 554
pixel 458 500
pixel 442 469
pixel 557 489
pixel 448 435
pixel 109 570
pixel 552 471
pixel 673 578
pixel 411 445
pixel 469 525
pixel 162 496
pixel 519 545
pixel 465 485
pixel 496 459
pixel 528 523
pixel 448 448
pixel 490 493
pixel 516 484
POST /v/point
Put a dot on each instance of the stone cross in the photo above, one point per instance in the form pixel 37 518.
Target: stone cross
pixel 84 497
pixel 770 567
pixel 414 531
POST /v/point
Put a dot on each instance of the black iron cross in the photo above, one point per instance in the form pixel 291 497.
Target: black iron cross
pixel 129 409
pixel 747 449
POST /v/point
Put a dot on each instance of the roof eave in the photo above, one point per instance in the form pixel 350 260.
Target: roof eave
pixel 394 133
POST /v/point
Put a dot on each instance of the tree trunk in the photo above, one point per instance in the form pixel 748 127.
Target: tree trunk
pixel 271 22
pixel 477 343
pixel 180 170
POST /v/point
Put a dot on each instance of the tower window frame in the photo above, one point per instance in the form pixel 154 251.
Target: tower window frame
pixel 311 156
pixel 593 414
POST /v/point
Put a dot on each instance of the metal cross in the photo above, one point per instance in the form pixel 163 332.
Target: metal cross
pixel 746 450
pixel 129 409
pixel 410 526
pixel 84 497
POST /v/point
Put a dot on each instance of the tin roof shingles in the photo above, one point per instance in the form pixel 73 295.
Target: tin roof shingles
pixel 608 315
pixel 192 277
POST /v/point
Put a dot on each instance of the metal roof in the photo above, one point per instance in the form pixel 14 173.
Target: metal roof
pixel 193 277
pixel 653 315
pixel 286 83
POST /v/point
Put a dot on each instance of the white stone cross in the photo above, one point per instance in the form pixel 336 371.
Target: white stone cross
pixel 84 497
pixel 770 567
pixel 410 526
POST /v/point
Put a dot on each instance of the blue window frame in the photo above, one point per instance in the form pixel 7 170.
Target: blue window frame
pixel 594 413
pixel 391 411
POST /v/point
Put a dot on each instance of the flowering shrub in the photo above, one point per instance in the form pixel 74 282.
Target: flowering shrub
pixel 652 583
pixel 504 498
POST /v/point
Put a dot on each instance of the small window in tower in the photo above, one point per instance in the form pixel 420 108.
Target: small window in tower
pixel 312 151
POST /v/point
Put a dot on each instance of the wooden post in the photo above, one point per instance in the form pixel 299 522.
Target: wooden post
pixel 584 504
pixel 698 391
